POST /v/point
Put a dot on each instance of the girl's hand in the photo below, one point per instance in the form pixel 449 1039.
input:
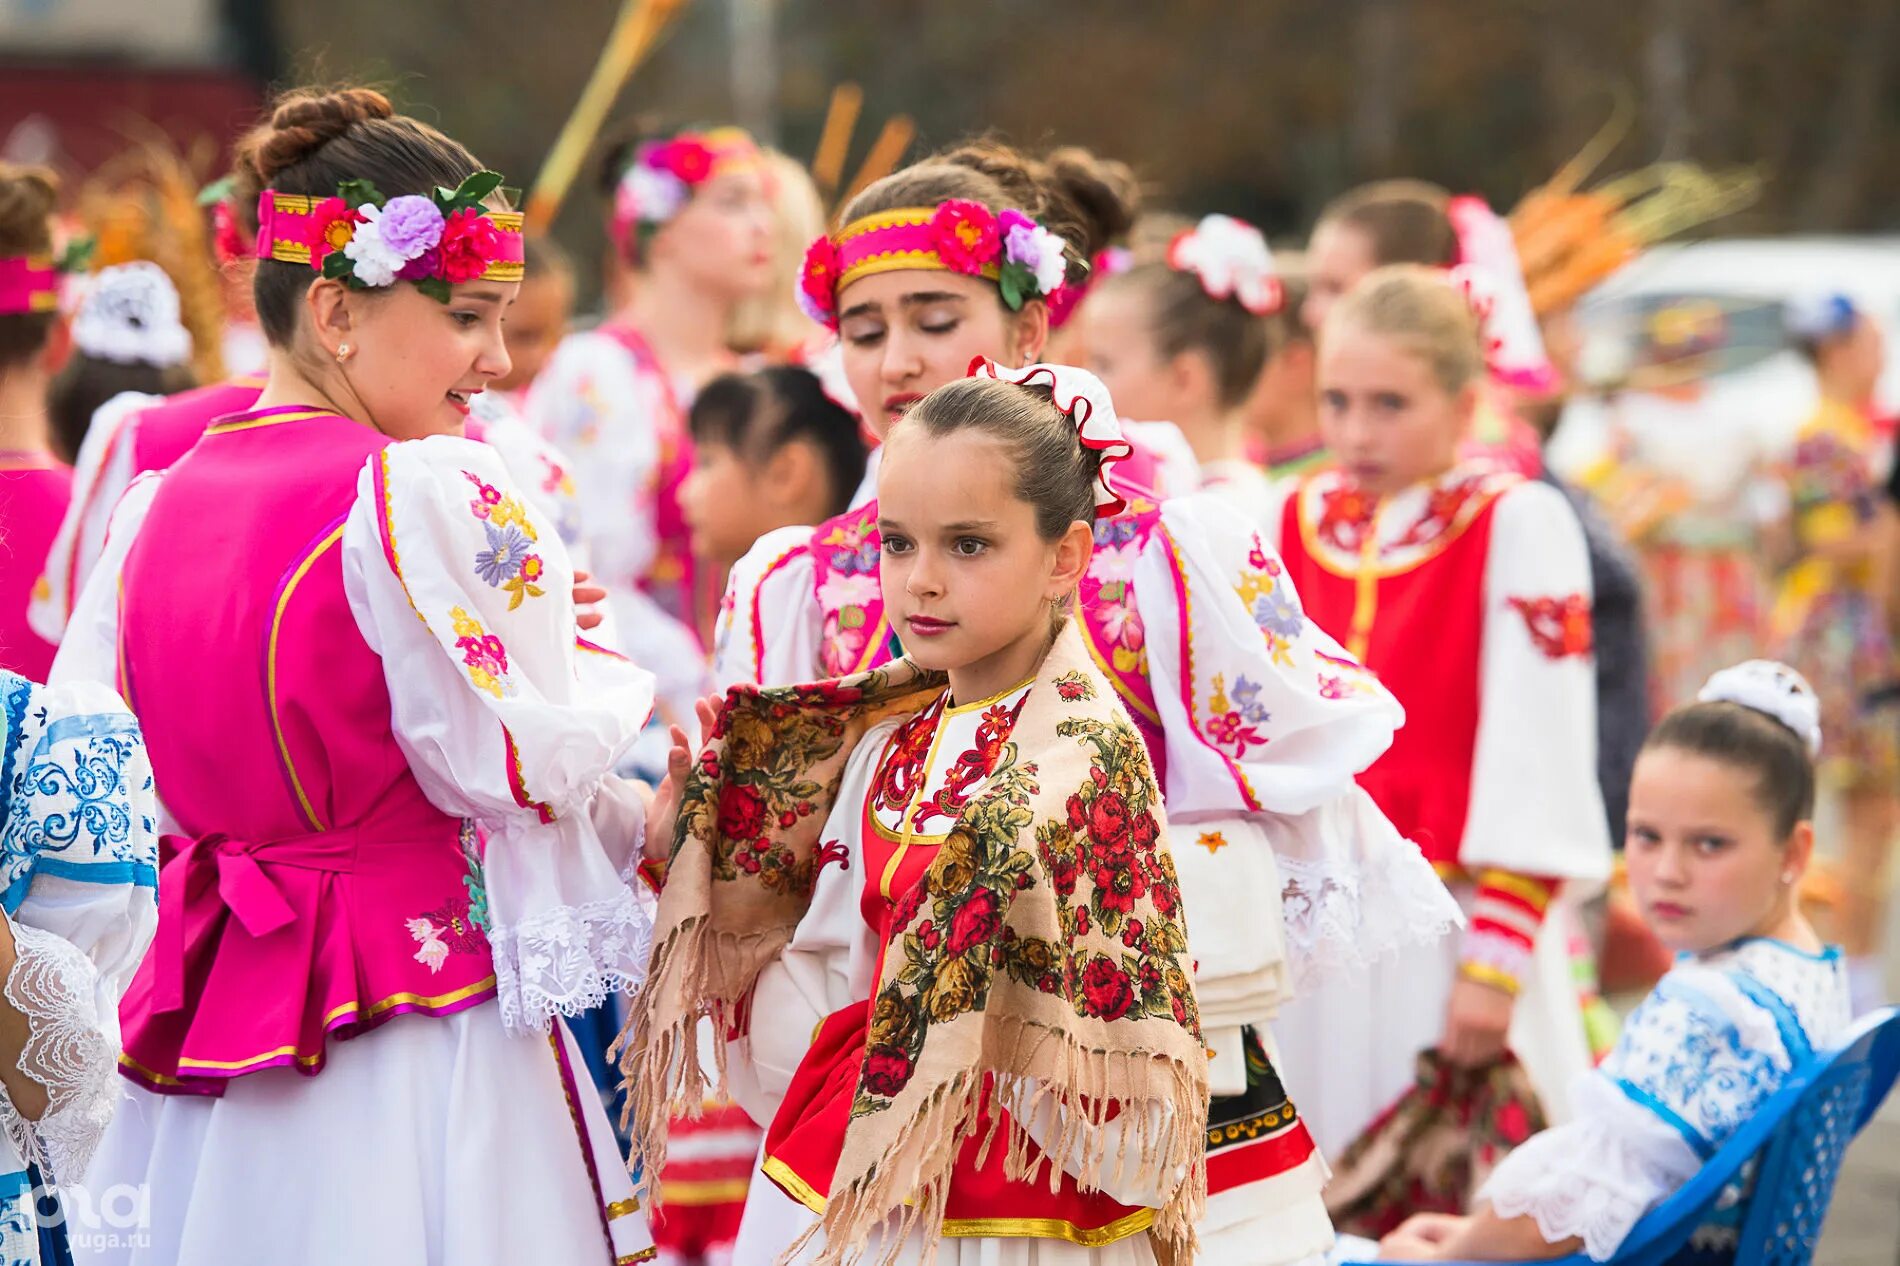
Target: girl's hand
pixel 1422 1237
pixel 1476 1023
pixel 587 595
pixel 663 810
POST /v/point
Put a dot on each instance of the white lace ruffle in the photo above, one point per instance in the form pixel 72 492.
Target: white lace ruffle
pixel 70 1050
pixel 1593 1178
pixel 1342 917
pixel 567 959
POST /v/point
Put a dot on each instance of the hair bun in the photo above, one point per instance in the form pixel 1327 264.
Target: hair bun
pixel 1774 690
pixel 1105 193
pixel 304 122
pixel 28 196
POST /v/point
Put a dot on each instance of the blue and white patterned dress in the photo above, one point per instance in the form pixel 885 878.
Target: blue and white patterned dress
pixel 78 887
pixel 1712 1042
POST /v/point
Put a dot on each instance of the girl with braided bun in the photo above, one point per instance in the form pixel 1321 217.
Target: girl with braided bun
pixel 386 752
pixel 1255 720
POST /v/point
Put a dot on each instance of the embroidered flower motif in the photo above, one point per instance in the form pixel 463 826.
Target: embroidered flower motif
pixel 1277 612
pixel 1233 726
pixel 1331 687
pixel 1558 626
pixel 482 654
pixel 965 235
pixel 502 559
pixel 1073 687
pixel 500 509
pixel 1212 841
pixel 434 951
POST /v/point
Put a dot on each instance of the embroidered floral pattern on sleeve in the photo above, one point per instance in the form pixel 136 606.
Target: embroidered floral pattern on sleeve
pixel 508 562
pixel 482 654
pixel 1274 606
pixel 1234 719
pixel 1558 626
pixel 1108 592
pixel 847 556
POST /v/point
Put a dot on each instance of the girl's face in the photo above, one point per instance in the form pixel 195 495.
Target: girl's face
pixel 968 582
pixel 722 237
pixel 414 362
pixel 1337 257
pixel 1124 355
pixel 1705 864
pixel 536 325
pixel 1856 360
pixel 904 334
pixel 1382 412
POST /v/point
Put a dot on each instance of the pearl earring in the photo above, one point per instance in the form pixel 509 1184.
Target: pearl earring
pixel 342 353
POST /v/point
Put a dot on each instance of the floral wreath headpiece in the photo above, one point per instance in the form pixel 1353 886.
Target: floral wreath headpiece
pixel 1232 260
pixel 130 315
pixel 36 283
pixel 367 241
pixel 1774 690
pixel 1024 259
pixel 1084 397
pixel 663 175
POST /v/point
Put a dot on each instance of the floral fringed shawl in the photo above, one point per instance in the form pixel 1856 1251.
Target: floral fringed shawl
pixel 1065 977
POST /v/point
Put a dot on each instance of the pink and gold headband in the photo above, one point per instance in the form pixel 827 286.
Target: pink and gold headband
pixel 1024 259
pixel 28 283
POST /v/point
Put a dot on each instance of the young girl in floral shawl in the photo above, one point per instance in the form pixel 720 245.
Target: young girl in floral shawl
pixel 953 866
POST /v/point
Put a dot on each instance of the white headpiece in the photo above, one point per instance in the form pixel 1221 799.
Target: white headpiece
pixel 1493 279
pixel 1084 398
pixel 1232 260
pixel 1774 690
pixel 1814 317
pixel 130 315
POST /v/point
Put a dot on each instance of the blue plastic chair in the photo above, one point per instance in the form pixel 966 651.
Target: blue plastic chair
pixel 1800 1135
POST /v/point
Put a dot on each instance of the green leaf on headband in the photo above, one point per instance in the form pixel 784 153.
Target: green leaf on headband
pixel 1018 285
pixel 473 190
pixel 217 191
pixel 77 256
pixel 358 192
pixel 339 267
pixel 436 288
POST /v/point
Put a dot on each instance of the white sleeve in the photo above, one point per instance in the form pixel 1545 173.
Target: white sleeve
pixel 541 471
pixel 505 715
pixel 101 474
pixel 81 881
pixel 770 624
pixel 89 651
pixel 826 966
pixel 1536 808
pixel 593 404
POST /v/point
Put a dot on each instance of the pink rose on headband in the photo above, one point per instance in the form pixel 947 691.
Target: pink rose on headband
pixel 818 283
pixel 966 235
pixel 470 243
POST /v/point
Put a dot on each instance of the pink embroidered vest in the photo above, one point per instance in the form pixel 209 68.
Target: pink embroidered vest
pixel 313 880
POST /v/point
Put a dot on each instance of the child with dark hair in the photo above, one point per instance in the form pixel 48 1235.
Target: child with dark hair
pixel 1719 835
pixel 771 449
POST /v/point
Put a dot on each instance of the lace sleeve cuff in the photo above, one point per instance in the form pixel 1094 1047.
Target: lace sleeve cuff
pixel 71 1049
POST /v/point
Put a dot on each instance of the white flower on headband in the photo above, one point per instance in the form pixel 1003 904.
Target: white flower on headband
pixel 649 195
pixel 1040 251
pixel 1232 260
pixel 1084 397
pixel 1773 689
pixel 130 316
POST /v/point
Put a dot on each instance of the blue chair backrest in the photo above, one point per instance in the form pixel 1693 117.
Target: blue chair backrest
pixel 1794 1146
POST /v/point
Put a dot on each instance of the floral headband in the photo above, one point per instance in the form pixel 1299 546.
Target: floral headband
pixel 367 241
pixel 663 175
pixel 1025 260
pixel 1232 260
pixel 1084 398
pixel 36 283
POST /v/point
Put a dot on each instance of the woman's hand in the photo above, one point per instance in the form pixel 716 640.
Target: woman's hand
pixel 587 596
pixel 1476 1023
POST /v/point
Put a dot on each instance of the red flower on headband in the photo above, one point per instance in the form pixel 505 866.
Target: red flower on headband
pixel 686 157
pixel 228 235
pixel 965 235
pixel 332 225
pixel 818 283
pixel 470 243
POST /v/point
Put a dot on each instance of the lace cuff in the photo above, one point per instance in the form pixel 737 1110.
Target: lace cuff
pixel 71 1050
pixel 1342 916
pixel 566 959
pixel 1592 1179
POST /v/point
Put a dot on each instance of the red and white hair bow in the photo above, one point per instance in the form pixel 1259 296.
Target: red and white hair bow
pixel 1232 260
pixel 1084 398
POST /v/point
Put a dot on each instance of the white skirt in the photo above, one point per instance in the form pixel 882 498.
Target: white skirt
pixel 772 1225
pixel 426 1142
pixel 1349 1049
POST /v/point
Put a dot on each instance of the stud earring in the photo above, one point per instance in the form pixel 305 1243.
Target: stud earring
pixel 342 352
